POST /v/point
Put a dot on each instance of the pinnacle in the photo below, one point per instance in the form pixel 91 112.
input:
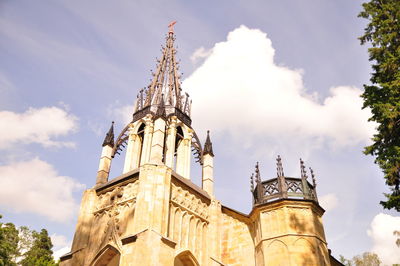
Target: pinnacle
pixel 208 145
pixel 109 139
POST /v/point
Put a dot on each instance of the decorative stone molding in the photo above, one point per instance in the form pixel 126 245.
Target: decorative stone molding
pixel 189 202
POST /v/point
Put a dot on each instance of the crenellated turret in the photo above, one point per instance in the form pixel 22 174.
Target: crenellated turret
pixel 282 187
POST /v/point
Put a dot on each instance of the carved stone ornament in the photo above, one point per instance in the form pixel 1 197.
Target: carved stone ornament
pixel 189 202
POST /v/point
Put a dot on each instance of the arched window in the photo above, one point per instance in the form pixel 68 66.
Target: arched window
pixel 178 141
pixel 185 258
pixel 140 133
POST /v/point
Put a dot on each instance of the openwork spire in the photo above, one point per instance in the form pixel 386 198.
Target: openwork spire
pixel 165 84
pixel 109 139
pixel 208 145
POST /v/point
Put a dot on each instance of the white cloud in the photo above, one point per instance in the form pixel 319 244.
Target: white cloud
pixel 239 88
pixel 59 240
pixel 59 252
pixel 121 114
pixel 34 186
pixel 61 245
pixel 36 126
pixel 328 201
pixel 200 53
pixel 381 232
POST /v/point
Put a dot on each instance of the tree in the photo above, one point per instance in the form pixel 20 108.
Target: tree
pixel 345 261
pixel 8 244
pixel 25 246
pixel 40 252
pixel 367 259
pixel 382 96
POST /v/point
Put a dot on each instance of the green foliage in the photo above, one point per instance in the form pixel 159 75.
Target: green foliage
pixel 40 252
pixel 28 247
pixel 8 244
pixel 382 96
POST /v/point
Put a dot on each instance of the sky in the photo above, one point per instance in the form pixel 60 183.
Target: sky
pixel 267 78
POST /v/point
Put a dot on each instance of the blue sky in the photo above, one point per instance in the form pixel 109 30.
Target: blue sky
pixel 266 77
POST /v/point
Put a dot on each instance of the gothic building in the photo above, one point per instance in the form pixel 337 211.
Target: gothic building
pixel 153 214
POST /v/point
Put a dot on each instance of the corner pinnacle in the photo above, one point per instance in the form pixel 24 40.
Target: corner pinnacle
pixel 109 139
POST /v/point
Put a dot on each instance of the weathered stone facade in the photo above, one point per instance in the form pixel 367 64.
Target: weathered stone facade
pixel 154 215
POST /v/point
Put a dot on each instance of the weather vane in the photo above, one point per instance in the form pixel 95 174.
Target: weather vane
pixel 171 26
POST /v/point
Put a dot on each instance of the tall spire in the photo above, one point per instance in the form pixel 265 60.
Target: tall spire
pixel 208 145
pixel 109 139
pixel 165 83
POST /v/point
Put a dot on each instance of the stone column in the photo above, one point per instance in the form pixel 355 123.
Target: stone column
pixel 133 151
pixel 104 165
pixel 208 175
pixel 157 143
pixel 152 207
pixel 170 143
pixel 183 157
pixel 148 135
pixel 214 233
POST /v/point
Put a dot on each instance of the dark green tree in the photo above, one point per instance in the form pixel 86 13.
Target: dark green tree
pixel 40 253
pixel 8 244
pixel 382 96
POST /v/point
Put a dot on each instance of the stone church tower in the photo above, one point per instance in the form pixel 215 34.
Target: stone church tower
pixel 153 214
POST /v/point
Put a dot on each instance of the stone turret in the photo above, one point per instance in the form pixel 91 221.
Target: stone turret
pixel 208 166
pixel 105 159
pixel 287 211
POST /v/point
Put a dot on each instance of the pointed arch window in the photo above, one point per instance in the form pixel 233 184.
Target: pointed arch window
pixel 178 141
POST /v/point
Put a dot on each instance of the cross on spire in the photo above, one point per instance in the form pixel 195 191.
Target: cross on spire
pixel 171 27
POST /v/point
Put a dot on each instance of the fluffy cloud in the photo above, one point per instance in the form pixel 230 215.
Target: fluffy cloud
pixel 328 201
pixel 381 232
pixel 61 245
pixel 36 126
pixel 240 87
pixel 200 53
pixel 34 186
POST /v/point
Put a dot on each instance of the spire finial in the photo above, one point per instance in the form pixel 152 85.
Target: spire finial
pixel 171 26
pixel 303 170
pixel 109 139
pixel 313 177
pixel 258 176
pixel 279 167
pixel 208 145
